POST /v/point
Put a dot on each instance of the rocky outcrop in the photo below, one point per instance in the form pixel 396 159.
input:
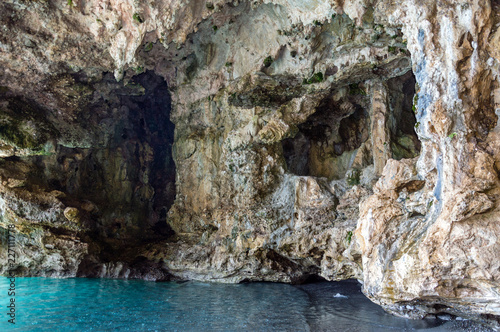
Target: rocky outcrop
pixel 339 139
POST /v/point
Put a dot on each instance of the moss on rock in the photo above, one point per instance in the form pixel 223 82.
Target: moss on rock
pixel 24 126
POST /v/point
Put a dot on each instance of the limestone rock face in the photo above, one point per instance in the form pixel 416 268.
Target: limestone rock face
pixel 429 233
pixel 339 139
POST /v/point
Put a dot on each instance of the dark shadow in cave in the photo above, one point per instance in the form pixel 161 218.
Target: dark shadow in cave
pixel 125 187
pixel 150 115
pixel 327 144
pixel 401 122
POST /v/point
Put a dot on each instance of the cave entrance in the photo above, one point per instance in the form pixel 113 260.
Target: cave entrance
pixel 150 118
pixel 131 178
pixel 339 136
pixel 327 142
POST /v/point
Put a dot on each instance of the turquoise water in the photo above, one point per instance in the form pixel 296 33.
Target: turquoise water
pixel 132 305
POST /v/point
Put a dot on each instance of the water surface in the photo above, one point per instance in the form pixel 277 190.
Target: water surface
pixel 133 305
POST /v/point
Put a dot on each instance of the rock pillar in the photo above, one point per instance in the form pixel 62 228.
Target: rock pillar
pixel 380 133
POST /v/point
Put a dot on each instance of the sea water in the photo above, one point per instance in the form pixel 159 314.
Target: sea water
pixel 43 304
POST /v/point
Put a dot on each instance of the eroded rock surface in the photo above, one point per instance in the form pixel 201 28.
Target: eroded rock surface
pixel 339 139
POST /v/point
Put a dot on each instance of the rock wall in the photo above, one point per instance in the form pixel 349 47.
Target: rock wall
pixel 333 139
pixel 429 235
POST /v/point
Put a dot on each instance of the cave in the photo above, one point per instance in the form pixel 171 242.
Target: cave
pixel 304 151
pixel 144 139
pixel 123 185
pixel 328 143
pixel 150 123
pixel 402 122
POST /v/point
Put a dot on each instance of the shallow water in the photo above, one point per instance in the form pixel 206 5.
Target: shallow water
pixel 132 305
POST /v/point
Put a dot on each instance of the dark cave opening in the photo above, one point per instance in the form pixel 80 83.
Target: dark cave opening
pixel 311 279
pixel 338 136
pixel 104 174
pixel 402 120
pixel 150 116
pixel 327 141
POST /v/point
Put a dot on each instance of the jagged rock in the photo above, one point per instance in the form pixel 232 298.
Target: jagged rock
pixel 71 214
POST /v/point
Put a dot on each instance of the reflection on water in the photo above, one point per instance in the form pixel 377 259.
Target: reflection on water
pixel 132 305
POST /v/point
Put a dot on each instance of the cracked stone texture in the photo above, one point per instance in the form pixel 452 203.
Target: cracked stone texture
pixel 344 139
